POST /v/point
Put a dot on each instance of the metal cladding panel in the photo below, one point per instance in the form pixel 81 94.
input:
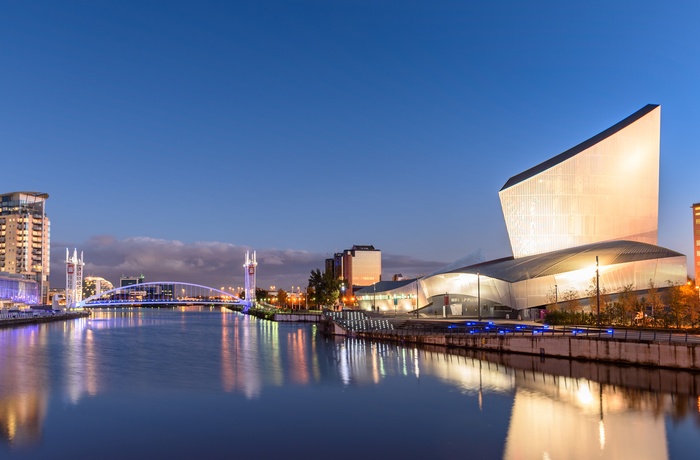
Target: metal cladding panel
pixel 608 190
pixel 529 282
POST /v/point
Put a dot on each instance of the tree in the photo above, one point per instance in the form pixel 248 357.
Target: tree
pixel 281 298
pixel 551 299
pixel 692 295
pixel 260 294
pixel 326 288
pixel 653 300
pixel 571 300
pixel 674 300
pixel 607 308
pixel 628 303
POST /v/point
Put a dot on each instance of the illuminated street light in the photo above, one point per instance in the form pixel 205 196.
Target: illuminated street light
pixel 597 289
pixel 478 294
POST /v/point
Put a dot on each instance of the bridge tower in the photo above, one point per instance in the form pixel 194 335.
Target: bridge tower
pixel 74 278
pixel 249 265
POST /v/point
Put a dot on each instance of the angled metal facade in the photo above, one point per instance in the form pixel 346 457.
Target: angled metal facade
pixel 606 188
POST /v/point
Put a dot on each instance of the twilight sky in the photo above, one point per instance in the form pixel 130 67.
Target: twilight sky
pixel 172 136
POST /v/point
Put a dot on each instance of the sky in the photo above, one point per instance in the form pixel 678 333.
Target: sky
pixel 174 136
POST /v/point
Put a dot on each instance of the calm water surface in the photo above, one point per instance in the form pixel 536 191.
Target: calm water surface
pixel 206 383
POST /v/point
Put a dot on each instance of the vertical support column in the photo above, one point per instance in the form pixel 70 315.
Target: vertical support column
pixel 250 264
pixel 74 278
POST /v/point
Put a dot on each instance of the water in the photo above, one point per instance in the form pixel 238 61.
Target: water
pixel 206 383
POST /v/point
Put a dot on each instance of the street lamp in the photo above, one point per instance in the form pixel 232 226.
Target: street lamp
pixel 597 290
pixel 416 298
pixel 478 294
pixel 342 291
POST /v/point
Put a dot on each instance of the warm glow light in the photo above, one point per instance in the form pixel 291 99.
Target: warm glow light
pixel 584 395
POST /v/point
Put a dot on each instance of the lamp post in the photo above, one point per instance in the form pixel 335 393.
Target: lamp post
pixel 342 294
pixel 556 295
pixel 597 290
pixel 416 298
pixel 478 294
pixel 374 297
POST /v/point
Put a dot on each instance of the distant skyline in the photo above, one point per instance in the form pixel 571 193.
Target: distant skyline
pixel 171 137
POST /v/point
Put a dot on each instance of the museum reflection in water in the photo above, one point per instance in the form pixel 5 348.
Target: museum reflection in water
pixel 560 409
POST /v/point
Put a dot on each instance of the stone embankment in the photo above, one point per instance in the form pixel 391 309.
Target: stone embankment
pixel 674 355
pixel 25 319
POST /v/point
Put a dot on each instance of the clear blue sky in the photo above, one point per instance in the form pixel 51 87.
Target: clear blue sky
pixel 300 128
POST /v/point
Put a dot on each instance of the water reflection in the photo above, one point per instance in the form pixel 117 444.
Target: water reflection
pixel 22 400
pixel 558 408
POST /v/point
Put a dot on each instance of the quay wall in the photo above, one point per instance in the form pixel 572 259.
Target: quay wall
pixel 639 352
pixel 646 378
pixel 13 322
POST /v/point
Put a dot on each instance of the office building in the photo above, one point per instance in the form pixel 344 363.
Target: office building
pixel 359 266
pixel 131 280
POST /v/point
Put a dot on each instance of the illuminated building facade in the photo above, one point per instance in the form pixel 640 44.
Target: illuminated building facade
pixel 25 239
pixel 95 285
pixel 606 188
pixel 696 241
pixel 360 266
pixel 595 202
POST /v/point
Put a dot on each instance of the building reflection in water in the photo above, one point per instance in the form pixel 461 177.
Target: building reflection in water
pixel 26 357
pixel 553 416
pixel 23 385
pixel 560 409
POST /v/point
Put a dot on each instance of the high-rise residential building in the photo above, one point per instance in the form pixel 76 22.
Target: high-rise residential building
pixel 696 241
pixel 25 238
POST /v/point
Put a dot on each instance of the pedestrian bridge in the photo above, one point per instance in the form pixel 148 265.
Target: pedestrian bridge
pixel 161 293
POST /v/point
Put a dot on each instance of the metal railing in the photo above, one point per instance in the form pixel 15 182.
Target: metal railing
pixel 527 331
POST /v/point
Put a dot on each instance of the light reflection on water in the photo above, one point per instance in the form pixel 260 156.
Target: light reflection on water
pixel 226 368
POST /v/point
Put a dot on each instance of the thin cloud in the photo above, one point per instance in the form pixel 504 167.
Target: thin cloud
pixel 209 263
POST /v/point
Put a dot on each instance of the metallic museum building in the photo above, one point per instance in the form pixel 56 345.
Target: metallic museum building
pixel 597 201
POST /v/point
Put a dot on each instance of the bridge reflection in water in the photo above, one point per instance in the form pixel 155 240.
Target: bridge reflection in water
pixel 560 408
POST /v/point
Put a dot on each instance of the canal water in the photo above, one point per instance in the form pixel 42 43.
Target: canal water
pixel 210 383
